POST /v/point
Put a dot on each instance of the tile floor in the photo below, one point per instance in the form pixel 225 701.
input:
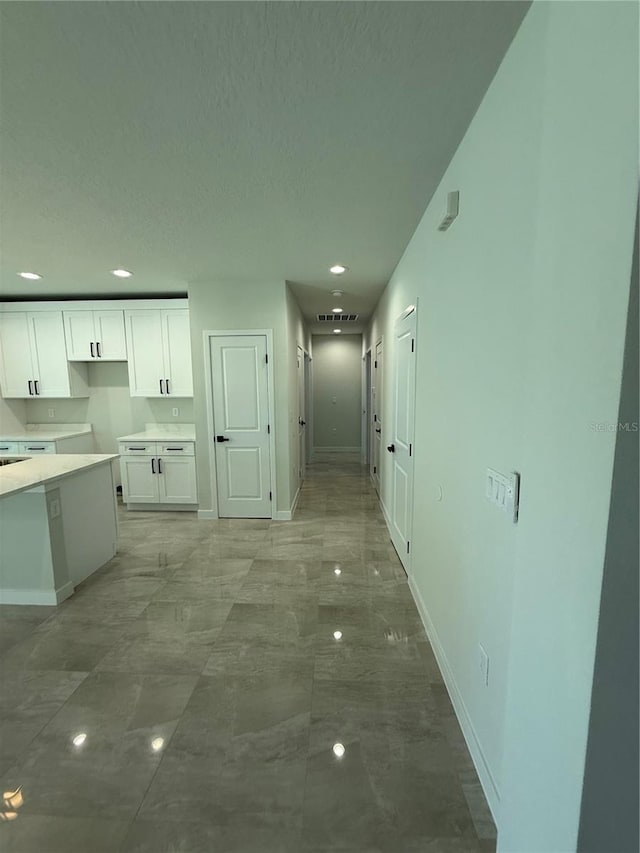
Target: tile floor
pixel 189 697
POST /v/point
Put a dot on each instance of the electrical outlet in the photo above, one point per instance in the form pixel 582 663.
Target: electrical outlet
pixel 175 412
pixel 483 661
pixel 52 413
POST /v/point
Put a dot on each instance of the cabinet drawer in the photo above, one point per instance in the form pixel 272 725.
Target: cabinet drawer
pixel 176 448
pixel 37 447
pixel 137 448
pixel 9 447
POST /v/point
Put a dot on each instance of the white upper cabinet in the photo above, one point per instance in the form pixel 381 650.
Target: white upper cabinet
pixel 33 359
pixel 95 335
pixel 159 353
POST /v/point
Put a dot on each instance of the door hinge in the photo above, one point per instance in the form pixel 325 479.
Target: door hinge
pixel 270 496
pixel 375 363
pixel 268 429
pixel 408 543
pixel 410 449
pixel 375 470
pixel 412 344
pixel 266 358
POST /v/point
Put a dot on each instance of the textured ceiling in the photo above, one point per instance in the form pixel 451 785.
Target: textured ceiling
pixel 193 142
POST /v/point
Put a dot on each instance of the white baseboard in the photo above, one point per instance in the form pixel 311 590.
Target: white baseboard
pixel 491 790
pixel 295 502
pixel 40 596
pixel 207 515
pixel 385 513
pixel 282 515
pixel 162 507
pixel 337 449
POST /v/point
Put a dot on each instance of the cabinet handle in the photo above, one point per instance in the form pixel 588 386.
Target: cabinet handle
pixel 166 382
pixel 161 387
pixel 136 448
pixel 153 466
pixel 35 385
pixel 98 349
pixel 4 448
pixel 30 383
pixel 91 348
pixel 36 448
pixel 174 448
pixel 159 466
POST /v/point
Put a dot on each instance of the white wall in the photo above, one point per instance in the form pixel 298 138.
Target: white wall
pixel 109 408
pixel 521 318
pixel 247 305
pixel 337 391
pixel 12 415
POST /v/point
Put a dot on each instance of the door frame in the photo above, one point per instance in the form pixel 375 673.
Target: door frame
pixel 366 409
pixel 376 477
pixel 207 337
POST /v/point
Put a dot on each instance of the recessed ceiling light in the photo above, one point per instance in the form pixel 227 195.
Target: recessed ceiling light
pixel 32 276
pixel 337 331
pixel 338 269
pixel 338 750
pixel 337 310
pixel 157 743
pixel 337 635
pixel 79 739
pixel 122 273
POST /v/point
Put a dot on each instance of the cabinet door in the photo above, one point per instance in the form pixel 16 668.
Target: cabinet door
pixel 144 347
pixel 177 352
pixel 177 480
pixel 110 337
pixel 80 335
pixel 139 482
pixel 16 369
pixel 49 354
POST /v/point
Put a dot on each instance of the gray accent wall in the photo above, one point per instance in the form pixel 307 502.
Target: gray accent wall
pixel 337 391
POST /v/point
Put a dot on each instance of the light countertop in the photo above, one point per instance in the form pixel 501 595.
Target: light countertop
pixel 45 432
pixel 38 470
pixel 163 432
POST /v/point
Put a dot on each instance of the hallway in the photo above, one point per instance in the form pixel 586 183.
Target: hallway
pixel 239 686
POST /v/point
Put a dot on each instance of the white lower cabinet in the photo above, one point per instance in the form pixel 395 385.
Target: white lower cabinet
pixel 37 447
pixel 158 473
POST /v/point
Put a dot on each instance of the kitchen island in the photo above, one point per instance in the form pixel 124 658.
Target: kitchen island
pixel 58 524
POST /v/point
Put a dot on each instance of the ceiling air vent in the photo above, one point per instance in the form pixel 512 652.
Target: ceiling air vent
pixel 337 318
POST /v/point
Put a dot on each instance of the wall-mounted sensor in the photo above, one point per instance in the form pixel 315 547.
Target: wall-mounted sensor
pixel 453 206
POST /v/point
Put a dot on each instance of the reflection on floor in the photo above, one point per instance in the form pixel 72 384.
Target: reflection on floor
pixel 237 686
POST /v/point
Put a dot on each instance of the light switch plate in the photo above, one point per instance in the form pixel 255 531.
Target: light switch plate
pixel 504 491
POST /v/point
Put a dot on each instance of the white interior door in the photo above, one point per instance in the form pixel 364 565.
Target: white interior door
pixel 401 445
pixel 376 411
pixel 240 393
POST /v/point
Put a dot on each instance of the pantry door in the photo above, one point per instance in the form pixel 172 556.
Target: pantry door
pixel 240 395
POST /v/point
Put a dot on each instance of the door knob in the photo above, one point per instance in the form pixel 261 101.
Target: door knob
pixel 378 431
pixel 391 448
pixel 221 438
pixel 303 423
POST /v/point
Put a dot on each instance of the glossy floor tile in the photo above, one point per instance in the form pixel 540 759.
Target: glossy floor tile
pixel 244 686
